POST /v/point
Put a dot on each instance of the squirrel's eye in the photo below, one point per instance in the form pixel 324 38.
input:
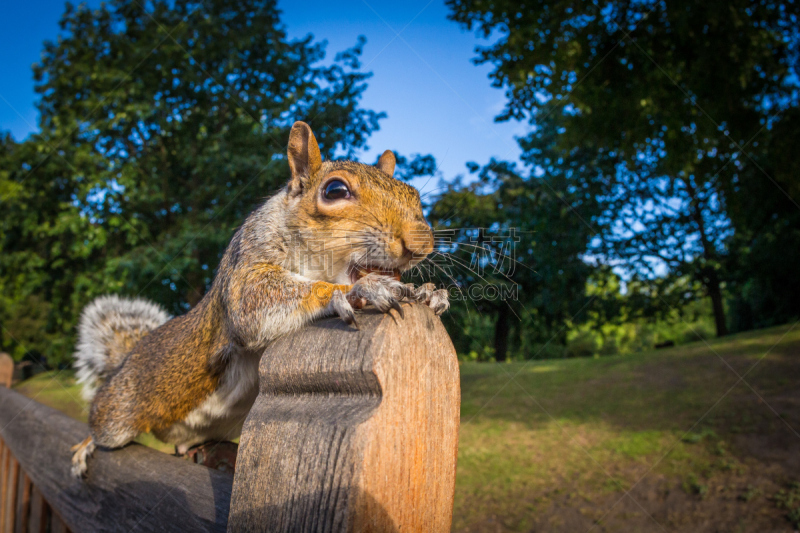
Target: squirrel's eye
pixel 336 190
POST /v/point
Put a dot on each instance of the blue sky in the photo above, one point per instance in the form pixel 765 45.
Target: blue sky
pixel 437 100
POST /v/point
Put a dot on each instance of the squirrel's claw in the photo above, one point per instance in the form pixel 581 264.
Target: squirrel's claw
pixel 424 292
pixel 387 293
pixel 397 307
pixel 437 300
pixel 343 308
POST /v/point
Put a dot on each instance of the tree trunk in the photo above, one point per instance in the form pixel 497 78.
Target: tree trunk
pixel 709 273
pixel 714 292
pixel 501 330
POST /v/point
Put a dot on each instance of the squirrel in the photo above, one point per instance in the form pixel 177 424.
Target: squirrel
pixel 335 238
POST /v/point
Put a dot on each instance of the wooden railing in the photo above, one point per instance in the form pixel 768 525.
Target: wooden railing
pixel 353 430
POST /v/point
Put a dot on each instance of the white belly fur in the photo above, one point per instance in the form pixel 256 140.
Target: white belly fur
pixel 221 415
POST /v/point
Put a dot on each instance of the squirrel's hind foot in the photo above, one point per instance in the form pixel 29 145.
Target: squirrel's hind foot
pixel 83 451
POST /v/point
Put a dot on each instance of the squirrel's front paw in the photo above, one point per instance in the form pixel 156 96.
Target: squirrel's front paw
pixel 437 300
pixel 381 291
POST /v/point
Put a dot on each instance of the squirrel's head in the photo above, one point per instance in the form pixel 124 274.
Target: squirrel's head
pixel 349 219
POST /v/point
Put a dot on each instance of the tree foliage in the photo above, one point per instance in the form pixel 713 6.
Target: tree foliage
pixel 516 251
pixel 666 113
pixel 162 126
pixel 660 150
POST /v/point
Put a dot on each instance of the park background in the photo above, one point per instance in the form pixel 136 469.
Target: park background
pixel 624 170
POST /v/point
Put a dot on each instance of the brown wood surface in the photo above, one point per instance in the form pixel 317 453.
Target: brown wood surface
pixel 37 522
pixel 6 369
pixel 5 462
pixel 353 430
pixel 11 496
pixel 23 503
pixel 57 525
pixel 135 488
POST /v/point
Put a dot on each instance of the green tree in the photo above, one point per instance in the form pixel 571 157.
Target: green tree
pixel 52 256
pixel 191 131
pixel 517 253
pixel 765 211
pixel 163 124
pixel 660 101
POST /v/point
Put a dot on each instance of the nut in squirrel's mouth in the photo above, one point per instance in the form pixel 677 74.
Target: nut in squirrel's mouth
pixel 358 271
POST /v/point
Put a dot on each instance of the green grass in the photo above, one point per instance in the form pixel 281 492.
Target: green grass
pixel 537 435
pixel 59 390
pixel 554 445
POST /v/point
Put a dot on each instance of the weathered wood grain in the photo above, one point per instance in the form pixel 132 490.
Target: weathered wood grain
pixel 10 503
pixel 38 517
pixel 23 503
pixel 57 525
pixel 5 462
pixel 6 369
pixel 135 488
pixel 353 430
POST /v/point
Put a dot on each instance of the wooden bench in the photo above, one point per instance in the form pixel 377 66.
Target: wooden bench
pixel 353 430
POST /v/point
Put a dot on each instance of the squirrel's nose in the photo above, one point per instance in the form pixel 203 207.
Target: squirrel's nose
pixel 407 253
pixel 416 244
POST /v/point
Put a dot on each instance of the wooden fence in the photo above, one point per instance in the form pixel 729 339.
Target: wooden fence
pixel 353 430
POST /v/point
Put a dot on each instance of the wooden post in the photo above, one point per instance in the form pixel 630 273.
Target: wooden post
pixel 5 465
pixel 11 496
pixel 57 525
pixel 23 503
pixel 353 430
pixel 6 369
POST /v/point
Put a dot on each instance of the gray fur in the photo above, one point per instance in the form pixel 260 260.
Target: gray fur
pixel 103 325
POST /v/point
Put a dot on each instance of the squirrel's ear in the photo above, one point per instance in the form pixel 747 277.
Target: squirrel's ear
pixel 304 157
pixel 386 162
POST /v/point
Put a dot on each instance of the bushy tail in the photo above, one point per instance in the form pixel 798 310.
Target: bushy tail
pixel 108 329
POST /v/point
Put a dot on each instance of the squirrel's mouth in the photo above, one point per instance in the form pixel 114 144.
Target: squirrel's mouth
pixel 359 271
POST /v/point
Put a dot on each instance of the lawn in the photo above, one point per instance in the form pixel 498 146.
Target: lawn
pixel 670 440
pixel 666 440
